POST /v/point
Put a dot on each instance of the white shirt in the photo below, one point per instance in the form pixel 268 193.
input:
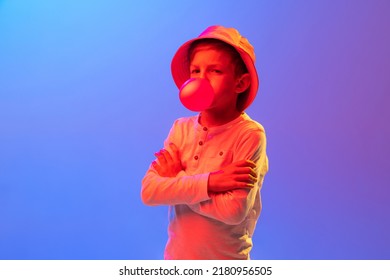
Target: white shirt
pixel 206 225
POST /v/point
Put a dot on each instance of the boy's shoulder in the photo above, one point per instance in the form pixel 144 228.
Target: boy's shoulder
pixel 190 120
pixel 251 124
pixel 185 123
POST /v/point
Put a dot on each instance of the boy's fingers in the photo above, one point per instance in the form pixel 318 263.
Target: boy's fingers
pixel 246 170
pixel 156 166
pixel 251 163
pixel 244 185
pixel 161 158
pixel 166 155
pixel 252 173
pixel 244 163
pixel 246 178
pixel 175 150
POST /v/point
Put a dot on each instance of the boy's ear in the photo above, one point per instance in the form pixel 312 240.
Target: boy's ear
pixel 243 83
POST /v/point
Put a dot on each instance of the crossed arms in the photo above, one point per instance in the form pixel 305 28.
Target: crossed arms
pixel 226 195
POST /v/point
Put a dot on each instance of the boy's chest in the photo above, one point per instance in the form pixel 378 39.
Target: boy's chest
pixel 206 152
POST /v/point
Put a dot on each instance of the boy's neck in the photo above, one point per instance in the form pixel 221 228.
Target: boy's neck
pixel 211 118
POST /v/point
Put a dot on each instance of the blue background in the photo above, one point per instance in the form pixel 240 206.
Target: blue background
pixel 86 98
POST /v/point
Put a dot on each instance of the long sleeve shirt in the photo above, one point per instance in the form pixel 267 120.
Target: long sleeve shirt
pixel 205 225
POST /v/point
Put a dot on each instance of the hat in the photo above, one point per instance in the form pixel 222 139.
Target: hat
pixel 180 67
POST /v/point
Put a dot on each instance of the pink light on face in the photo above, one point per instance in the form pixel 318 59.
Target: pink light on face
pixel 196 94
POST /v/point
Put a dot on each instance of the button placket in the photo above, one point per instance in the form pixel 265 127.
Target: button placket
pixel 201 141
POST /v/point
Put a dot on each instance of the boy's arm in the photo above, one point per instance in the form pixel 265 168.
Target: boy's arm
pixel 182 189
pixel 166 183
pixel 231 207
pixel 227 195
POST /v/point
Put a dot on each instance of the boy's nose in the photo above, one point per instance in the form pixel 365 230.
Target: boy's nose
pixel 203 75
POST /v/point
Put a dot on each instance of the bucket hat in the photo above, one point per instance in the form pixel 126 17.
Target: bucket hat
pixel 180 65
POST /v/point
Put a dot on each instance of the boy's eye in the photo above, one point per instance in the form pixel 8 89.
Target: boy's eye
pixel 194 71
pixel 216 71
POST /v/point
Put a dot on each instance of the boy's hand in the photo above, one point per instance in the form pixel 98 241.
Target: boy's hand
pixel 238 175
pixel 168 165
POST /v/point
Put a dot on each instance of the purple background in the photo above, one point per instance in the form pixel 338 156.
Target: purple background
pixel 86 98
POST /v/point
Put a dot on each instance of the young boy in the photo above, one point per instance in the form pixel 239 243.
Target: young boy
pixel 212 167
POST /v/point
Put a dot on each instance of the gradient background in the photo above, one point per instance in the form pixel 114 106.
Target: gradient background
pixel 86 98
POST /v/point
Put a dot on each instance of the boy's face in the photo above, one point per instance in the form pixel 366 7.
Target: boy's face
pixel 216 66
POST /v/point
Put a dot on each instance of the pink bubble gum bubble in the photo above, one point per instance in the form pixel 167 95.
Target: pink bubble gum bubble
pixel 196 94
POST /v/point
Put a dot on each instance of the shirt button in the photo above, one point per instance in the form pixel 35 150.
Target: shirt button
pixel 196 157
pixel 205 128
pixel 220 153
pixel 200 143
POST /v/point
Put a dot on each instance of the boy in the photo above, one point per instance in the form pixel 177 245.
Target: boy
pixel 212 167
